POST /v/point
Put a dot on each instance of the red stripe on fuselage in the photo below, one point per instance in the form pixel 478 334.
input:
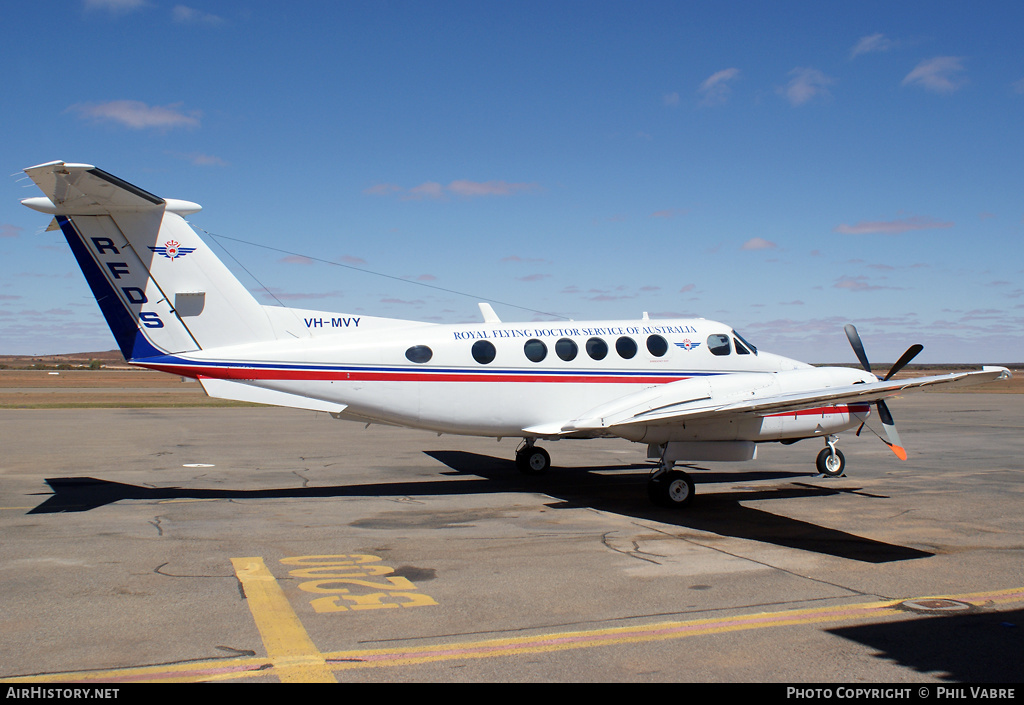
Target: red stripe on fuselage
pixel 243 373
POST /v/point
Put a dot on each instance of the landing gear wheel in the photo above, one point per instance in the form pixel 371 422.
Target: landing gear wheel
pixel 533 460
pixel 671 489
pixel 829 465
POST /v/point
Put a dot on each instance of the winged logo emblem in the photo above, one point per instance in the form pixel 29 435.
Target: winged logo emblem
pixel 172 249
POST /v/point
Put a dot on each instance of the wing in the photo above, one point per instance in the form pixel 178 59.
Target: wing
pixel 692 399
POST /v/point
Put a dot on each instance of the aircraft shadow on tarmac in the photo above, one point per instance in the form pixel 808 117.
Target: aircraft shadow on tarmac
pixel 624 491
pixel 977 646
pixel 621 491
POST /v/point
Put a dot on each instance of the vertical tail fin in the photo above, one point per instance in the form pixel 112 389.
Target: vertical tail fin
pixel 159 286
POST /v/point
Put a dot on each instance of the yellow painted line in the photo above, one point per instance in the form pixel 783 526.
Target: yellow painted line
pixel 655 632
pixel 296 659
pixel 602 637
pixel 292 656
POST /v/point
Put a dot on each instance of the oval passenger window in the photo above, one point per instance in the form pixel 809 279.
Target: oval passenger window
pixel 419 354
pixel 483 351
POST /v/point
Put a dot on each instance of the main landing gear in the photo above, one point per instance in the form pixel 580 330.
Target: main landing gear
pixel 831 462
pixel 670 488
pixel 532 459
pixel 667 487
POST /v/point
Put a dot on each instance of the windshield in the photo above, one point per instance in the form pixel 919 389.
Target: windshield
pixel 744 341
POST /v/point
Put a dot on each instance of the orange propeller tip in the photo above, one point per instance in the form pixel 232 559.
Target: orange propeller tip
pixel 900 452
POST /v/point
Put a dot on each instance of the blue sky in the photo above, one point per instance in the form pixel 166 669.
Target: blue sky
pixel 783 167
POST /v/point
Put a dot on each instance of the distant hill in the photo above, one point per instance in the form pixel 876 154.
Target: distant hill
pixel 105 357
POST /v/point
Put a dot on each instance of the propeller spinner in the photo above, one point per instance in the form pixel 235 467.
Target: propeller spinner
pixel 884 415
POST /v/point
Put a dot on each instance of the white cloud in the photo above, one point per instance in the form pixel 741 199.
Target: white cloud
pixel 115 6
pixel 859 283
pixel 199 159
pixel 939 75
pixel 188 15
pixel 805 85
pixel 715 89
pixel 487 188
pixel 872 44
pixel 892 227
pixel 137 115
pixel 206 160
pixel 759 243
pixel 430 189
pixel 381 189
pixel 460 187
pixel 669 213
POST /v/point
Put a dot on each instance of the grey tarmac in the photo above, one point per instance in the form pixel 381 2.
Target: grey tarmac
pixel 265 545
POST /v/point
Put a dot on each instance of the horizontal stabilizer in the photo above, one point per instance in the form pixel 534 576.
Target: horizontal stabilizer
pixel 82 189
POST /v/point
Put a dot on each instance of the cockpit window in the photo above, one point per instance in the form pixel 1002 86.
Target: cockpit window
pixel 740 350
pixel 718 344
pixel 746 344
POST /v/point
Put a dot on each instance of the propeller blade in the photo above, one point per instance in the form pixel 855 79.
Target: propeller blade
pixel 894 442
pixel 858 347
pixel 909 355
pixel 889 425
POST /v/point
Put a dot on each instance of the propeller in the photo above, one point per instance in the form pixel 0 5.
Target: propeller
pixel 884 415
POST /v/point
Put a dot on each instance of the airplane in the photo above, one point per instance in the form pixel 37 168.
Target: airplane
pixel 692 390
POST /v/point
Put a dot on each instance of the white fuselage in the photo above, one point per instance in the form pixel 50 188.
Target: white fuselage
pixel 518 379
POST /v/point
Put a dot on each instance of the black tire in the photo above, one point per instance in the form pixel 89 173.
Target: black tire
pixel 673 489
pixel 533 461
pixel 829 466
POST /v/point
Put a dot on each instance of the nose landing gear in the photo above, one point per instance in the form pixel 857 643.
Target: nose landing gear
pixel 831 462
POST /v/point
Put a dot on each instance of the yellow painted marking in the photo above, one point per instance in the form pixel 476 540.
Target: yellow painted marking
pixel 295 657
pixel 295 654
